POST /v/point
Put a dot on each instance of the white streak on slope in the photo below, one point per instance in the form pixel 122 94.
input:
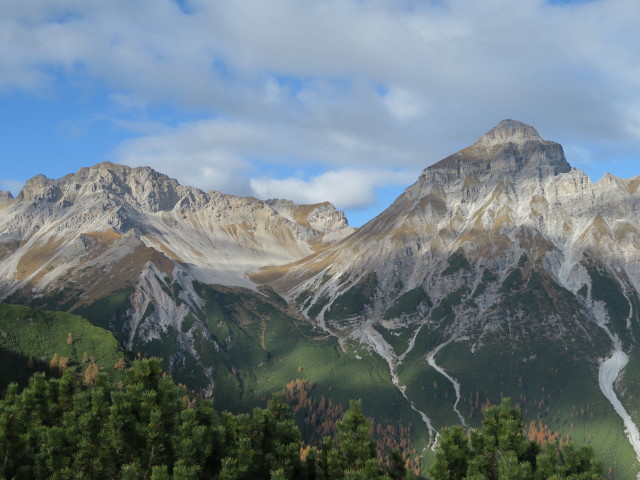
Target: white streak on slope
pixel 382 348
pixel 607 375
pixel 456 385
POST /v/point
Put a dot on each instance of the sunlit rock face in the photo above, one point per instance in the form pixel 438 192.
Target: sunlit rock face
pixel 508 203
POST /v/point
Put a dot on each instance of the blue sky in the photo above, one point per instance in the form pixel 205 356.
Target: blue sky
pixel 339 100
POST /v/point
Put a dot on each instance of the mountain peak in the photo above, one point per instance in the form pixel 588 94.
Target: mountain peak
pixel 509 131
pixel 509 148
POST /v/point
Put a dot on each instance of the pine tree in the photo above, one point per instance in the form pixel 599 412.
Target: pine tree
pixel 145 426
pixel 453 454
pixel 90 374
pixel 63 364
pixel 500 450
pixel 354 455
pixel 397 468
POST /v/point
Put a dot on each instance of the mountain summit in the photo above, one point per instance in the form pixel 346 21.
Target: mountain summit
pixel 510 148
pixel 498 259
pixel 509 131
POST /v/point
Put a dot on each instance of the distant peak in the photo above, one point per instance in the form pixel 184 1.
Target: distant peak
pixel 509 131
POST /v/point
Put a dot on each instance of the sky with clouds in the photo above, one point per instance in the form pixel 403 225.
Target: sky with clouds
pixel 339 100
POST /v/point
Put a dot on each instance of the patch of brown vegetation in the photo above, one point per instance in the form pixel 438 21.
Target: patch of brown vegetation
pixel 598 229
pixel 541 433
pixel 401 235
pixel 532 241
pixel 8 248
pixel 487 245
pixel 106 236
pixel 268 274
pixel 100 282
pixel 36 258
pixel 310 266
pixel 622 229
pixel 318 246
pixel 168 252
pixel 504 218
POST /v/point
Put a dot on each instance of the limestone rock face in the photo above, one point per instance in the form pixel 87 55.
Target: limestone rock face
pixel 508 202
pixel 511 149
pixel 102 214
pixel 321 217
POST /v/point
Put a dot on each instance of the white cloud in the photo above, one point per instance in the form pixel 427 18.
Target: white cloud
pixel 346 189
pixel 290 84
pixel 194 154
pixel 216 154
pixel 404 105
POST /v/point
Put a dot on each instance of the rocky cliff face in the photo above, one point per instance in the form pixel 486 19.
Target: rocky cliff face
pixel 59 225
pixel 509 151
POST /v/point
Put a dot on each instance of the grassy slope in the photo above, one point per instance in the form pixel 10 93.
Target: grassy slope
pixel 270 348
pixel 27 332
pixel 558 389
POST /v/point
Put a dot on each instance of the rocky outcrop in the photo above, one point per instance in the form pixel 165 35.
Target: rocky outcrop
pixel 321 217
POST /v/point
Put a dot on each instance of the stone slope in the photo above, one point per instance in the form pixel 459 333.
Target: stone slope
pixel 54 227
pixel 510 193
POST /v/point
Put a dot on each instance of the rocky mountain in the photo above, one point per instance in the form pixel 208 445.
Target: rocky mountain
pixel 129 247
pixel 502 271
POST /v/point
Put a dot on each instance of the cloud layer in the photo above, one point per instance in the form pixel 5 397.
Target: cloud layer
pixel 302 99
